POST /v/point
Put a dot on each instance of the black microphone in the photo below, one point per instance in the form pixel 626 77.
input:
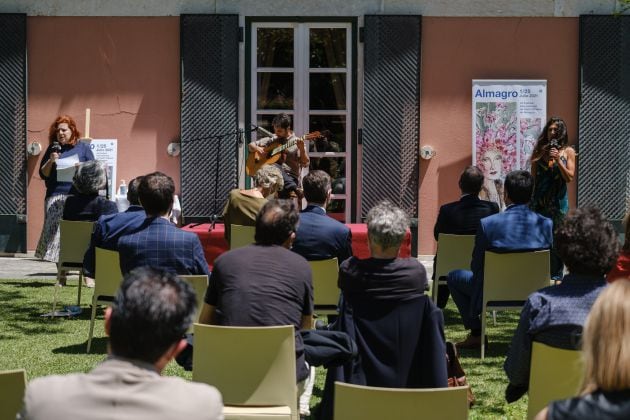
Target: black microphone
pixel 553 143
pixel 263 131
pixel 56 147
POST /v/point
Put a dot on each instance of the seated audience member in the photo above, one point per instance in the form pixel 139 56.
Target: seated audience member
pixel 621 269
pixel 462 217
pixel 150 314
pixel 88 205
pixel 605 391
pixel 516 229
pixel 109 228
pixel 320 237
pixel 157 242
pixel 243 205
pixel 555 315
pixel 265 284
pixel 398 330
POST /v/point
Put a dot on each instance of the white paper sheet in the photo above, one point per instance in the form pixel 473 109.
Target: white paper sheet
pixel 66 167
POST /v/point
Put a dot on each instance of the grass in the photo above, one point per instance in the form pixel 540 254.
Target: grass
pixel 45 346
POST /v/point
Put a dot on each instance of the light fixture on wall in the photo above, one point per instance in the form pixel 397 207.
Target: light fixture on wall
pixel 34 148
pixel 173 149
pixel 427 152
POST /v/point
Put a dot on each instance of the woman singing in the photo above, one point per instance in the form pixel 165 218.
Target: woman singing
pixel 63 141
pixel 553 167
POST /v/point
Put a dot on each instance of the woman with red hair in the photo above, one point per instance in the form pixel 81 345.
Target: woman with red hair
pixel 63 142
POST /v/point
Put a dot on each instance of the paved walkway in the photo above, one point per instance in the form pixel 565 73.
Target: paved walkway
pixel 28 267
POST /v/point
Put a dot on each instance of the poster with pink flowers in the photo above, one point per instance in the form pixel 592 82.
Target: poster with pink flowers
pixel 507 118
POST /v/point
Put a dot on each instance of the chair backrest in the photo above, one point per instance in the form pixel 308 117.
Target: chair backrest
pixel 107 276
pixel 366 403
pixel 514 276
pixel 74 241
pixel 325 275
pixel 12 385
pixel 555 374
pixel 454 252
pixel 252 366
pixel 200 284
pixel 241 236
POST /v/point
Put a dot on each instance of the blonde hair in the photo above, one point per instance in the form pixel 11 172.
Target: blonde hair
pixel 270 178
pixel 606 341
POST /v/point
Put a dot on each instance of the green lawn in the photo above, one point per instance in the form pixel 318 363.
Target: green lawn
pixel 46 346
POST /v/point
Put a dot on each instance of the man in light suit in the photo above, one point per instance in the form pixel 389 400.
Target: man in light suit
pixel 516 229
pixel 462 217
pixel 150 314
pixel 320 237
pixel 157 242
pixel 109 228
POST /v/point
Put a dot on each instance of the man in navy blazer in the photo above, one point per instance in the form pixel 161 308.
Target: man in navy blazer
pixel 320 237
pixel 516 229
pixel 157 242
pixel 109 228
pixel 462 217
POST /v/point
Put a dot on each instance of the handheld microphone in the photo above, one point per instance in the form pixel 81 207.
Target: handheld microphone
pixel 553 143
pixel 56 147
pixel 263 131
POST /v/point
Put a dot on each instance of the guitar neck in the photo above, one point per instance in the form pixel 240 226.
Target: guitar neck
pixel 283 147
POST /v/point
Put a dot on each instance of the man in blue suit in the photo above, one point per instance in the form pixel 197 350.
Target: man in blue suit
pixel 109 228
pixel 516 229
pixel 157 242
pixel 320 237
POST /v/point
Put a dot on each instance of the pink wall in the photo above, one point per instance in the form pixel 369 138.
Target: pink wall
pixel 457 50
pixel 126 70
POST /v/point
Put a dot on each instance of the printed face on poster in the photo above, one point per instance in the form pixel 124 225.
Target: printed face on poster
pixel 106 150
pixel 507 118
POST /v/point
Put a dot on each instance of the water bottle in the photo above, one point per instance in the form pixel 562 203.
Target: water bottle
pixel 121 198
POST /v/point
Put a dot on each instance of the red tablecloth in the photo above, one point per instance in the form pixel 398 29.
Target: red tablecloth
pixel 214 244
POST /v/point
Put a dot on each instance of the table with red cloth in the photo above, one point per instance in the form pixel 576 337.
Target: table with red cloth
pixel 214 244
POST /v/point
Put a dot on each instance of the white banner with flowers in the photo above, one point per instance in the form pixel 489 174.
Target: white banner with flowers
pixel 507 118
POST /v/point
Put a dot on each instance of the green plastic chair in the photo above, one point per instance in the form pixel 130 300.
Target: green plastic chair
pixel 73 243
pixel 241 236
pixel 325 289
pixel 252 367
pixel 454 252
pixel 12 386
pixel 373 403
pixel 107 280
pixel 200 284
pixel 555 374
pixel 509 279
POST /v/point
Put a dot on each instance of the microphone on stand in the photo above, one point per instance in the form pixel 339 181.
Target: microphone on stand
pixel 262 131
pixel 553 143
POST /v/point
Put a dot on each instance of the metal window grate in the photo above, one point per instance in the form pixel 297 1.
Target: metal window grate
pixel 209 113
pixel 391 127
pixel 604 114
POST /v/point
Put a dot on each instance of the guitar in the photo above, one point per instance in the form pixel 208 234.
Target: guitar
pixel 273 152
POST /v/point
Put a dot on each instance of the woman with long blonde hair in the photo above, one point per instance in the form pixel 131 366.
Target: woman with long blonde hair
pixel 605 391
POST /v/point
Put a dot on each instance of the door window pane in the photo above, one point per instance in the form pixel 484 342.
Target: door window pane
pixel 275 90
pixel 327 91
pixel 337 210
pixel 336 140
pixel 327 47
pixel 333 166
pixel 274 47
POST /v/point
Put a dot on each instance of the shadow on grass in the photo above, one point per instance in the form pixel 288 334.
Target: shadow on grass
pixel 99 346
pixel 30 284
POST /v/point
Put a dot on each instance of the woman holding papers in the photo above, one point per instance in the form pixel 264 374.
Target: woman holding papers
pixel 57 168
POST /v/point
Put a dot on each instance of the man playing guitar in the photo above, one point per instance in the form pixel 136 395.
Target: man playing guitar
pixel 292 160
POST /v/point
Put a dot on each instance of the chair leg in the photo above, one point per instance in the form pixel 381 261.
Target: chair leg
pixel 80 284
pixel 89 343
pixel 494 318
pixel 57 286
pixel 483 332
pixel 434 287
